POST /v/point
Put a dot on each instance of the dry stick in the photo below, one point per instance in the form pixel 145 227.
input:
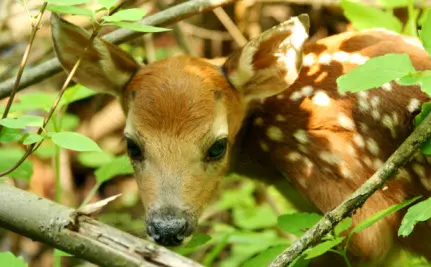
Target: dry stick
pixel 24 60
pixel 34 147
pixel 374 3
pixel 63 228
pixel 165 17
pixel 421 134
pixel 230 26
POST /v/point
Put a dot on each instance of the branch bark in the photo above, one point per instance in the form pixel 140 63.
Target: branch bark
pixel 63 228
pixel 163 18
pixel 407 149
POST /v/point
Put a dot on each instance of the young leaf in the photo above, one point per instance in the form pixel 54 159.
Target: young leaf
pixel 8 259
pixel 381 214
pixel 131 14
pixel 366 17
pixel 198 239
pixel 322 247
pixel 74 141
pixel 297 223
pixel 137 27
pixel 76 93
pixel 393 3
pixel 119 166
pixel 8 158
pixel 67 2
pixel 375 72
pixel 32 138
pixel 342 226
pixel 107 3
pixel 9 135
pixel 414 77
pixel 425 33
pixel 71 10
pixel 22 122
pixel 419 212
pixel 95 159
pixel 265 257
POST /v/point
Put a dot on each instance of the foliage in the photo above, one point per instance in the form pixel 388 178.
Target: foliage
pixel 8 259
pixel 419 212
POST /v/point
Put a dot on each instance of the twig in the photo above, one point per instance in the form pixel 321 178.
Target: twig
pixel 163 18
pixel 24 60
pixel 345 209
pixel 230 26
pixel 205 33
pixel 63 228
pixel 34 147
pixel 374 3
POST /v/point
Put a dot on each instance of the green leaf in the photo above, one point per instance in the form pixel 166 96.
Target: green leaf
pixel 425 33
pixel 298 223
pixel 131 14
pixel 265 257
pixel 37 101
pixel 9 260
pixel 107 3
pixel 9 135
pixel 67 2
pixel 426 85
pixel 10 156
pixel 60 253
pixel 119 166
pixel 95 159
pixel 22 122
pixel 257 217
pixel 342 226
pixel 137 27
pixel 76 93
pixel 74 141
pixel 366 17
pixel 71 10
pixel 423 16
pixel 381 214
pixel 198 239
pixel 414 77
pixel 393 3
pixel 419 212
pixel 375 72
pixel 32 138
pixel 322 248
pixel 425 110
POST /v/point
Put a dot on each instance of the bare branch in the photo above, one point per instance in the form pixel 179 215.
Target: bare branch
pixel 80 235
pixel 163 18
pixel 357 199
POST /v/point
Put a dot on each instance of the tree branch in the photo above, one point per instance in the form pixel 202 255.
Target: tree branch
pixel 63 228
pixel 165 17
pixel 421 134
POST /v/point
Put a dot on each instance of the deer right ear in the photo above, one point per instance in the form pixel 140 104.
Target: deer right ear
pixel 104 67
pixel 271 62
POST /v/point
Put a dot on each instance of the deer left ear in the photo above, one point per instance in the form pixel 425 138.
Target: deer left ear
pixel 271 62
pixel 104 66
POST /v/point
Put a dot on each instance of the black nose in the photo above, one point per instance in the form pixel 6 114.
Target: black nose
pixel 167 231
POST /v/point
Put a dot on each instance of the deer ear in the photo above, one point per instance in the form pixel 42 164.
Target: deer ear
pixel 271 62
pixel 104 67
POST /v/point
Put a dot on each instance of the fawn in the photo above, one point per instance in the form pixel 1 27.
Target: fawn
pixel 272 111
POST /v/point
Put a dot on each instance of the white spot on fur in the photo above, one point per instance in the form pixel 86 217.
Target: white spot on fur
pixel 389 123
pixel 351 150
pixel 329 157
pixel 363 105
pixel 345 172
pixel 345 121
pixel 280 117
pixel 274 133
pixel 293 156
pixel 309 60
pixel 295 96
pixel 264 146
pixel 258 121
pixel 375 101
pixel 373 147
pixel 325 58
pixel 307 90
pixel 377 164
pixel 280 96
pixel 341 56
pixel 359 141
pixel 321 99
pixel 385 188
pixel 375 114
pixel 364 127
pixel 358 59
pixel 414 105
pixel 302 148
pixel 368 161
pixel 301 136
pixel 387 87
pixel 302 182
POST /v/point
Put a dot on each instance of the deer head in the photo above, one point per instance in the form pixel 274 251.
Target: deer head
pixel 183 113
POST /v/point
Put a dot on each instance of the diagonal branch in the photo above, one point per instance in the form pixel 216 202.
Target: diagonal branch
pixel 80 235
pixel 402 155
pixel 163 18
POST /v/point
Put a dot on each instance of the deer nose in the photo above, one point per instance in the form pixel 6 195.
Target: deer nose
pixel 168 231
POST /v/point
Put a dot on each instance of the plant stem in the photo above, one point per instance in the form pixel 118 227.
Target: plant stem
pixel 90 195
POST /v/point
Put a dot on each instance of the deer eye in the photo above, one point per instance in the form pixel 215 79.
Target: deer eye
pixel 135 153
pixel 217 150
